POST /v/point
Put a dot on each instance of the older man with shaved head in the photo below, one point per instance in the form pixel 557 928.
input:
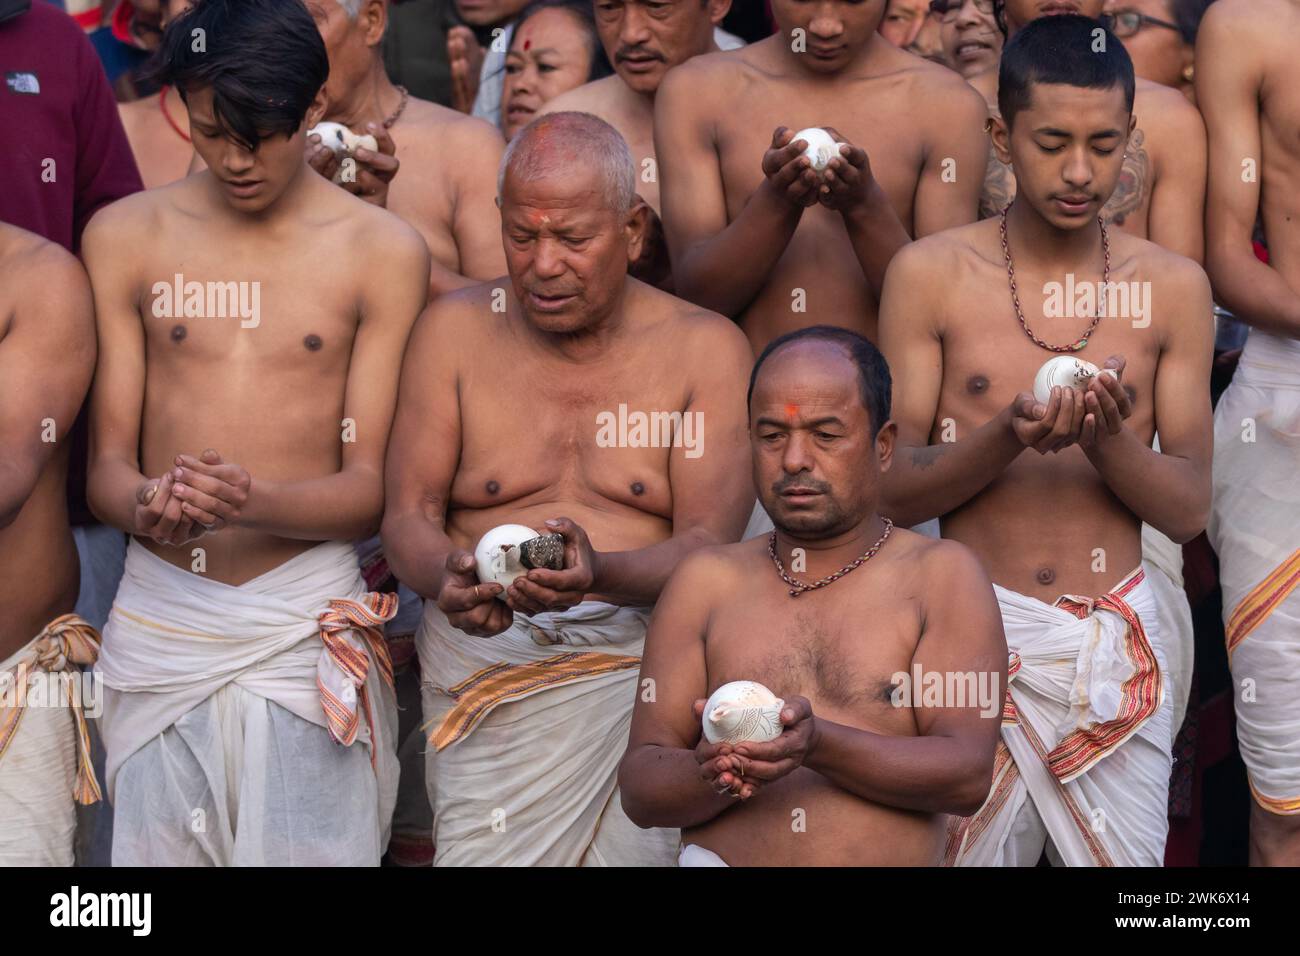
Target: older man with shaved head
pixel 571 399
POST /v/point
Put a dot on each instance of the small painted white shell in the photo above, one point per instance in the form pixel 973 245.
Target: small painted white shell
pixel 341 139
pixel 1065 371
pixel 496 556
pixel 822 147
pixel 742 710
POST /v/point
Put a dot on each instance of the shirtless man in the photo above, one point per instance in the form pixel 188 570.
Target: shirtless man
pixel 1161 191
pixel 241 408
pixel 47 354
pixel 444 186
pixel 1069 522
pixel 861 775
pixel 519 404
pixel 1248 84
pixel 754 232
pixel 643 41
pixel 158 126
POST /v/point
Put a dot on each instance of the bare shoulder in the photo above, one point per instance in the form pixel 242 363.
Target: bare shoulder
pixel 695 331
pixel 125 226
pixel 594 97
pixel 1164 110
pixel 451 128
pixel 941 252
pixel 1163 267
pixel 462 319
pixel 385 236
pixel 951 565
pixel 715 572
pixel 712 77
pixel 36 270
pixel 942 90
pixel 1248 19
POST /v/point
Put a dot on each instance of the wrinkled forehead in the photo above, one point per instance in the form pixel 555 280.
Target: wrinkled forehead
pixel 806 379
pixel 556 185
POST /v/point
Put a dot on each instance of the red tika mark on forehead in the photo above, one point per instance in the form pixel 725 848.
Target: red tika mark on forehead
pixel 528 45
pixel 791 411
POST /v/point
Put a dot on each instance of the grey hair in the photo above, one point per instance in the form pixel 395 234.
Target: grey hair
pixel 351 7
pixel 580 138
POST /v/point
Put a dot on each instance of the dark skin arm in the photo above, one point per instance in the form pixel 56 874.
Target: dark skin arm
pixel 670 776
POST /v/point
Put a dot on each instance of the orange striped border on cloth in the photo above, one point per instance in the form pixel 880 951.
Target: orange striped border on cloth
pixel 1282 806
pixel 963 831
pixel 1140 693
pixel 1256 606
pixel 366 617
pixel 497 683
pixel 66 641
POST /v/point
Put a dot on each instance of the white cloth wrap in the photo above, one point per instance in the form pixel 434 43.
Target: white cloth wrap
pixel 1070 676
pixel 694 855
pixel 38 773
pixel 216 740
pixel 535 782
pixel 1255 528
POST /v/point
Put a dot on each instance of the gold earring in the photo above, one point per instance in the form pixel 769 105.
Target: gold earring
pixel 1188 72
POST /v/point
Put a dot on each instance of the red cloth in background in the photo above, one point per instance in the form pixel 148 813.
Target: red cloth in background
pixel 69 155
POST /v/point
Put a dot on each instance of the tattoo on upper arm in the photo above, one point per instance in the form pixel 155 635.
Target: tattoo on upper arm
pixel 999 187
pixel 924 458
pixel 1133 182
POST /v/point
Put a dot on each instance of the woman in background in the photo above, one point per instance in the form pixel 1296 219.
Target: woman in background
pixel 553 50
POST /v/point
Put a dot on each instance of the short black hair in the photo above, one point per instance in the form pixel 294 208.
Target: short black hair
pixel 584 10
pixel 1061 50
pixel 263 59
pixel 874 381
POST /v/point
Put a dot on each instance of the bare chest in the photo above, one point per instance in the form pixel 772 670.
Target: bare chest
pixel 841 651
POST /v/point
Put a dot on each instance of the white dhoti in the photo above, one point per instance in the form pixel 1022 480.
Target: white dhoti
pixel 1255 528
pixel 1082 767
pixel 526 732
pixel 693 855
pixel 249 725
pixel 45 768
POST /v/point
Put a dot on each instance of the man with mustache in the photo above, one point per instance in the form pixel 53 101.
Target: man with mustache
pixel 1097 681
pixel 504 416
pixel 644 41
pixel 1248 84
pixel 755 232
pixel 828 612
pixel 1161 191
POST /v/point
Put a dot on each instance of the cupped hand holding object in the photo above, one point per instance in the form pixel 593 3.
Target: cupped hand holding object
pixel 342 141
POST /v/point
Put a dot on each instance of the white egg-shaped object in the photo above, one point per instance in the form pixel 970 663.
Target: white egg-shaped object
pixel 742 710
pixel 822 147
pixel 496 556
pixel 1065 371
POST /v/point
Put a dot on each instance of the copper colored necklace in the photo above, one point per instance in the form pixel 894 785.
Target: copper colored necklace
pixel 1015 299
pixel 388 123
pixel 798 587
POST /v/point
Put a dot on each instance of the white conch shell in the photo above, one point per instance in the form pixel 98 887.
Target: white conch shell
pixel 496 556
pixel 742 710
pixel 343 141
pixel 822 147
pixel 1064 370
